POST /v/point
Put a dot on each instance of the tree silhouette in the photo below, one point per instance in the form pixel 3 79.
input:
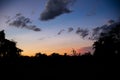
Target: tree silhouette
pixel 108 43
pixel 8 48
pixel 87 54
pixel 40 55
pixel 74 53
pixel 55 55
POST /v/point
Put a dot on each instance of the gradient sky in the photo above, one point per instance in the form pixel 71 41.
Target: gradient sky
pixel 86 14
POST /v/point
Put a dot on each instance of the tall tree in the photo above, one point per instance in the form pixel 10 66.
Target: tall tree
pixel 108 43
pixel 8 48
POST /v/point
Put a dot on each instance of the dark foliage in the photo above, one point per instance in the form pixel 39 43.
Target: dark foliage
pixel 108 43
pixel 8 48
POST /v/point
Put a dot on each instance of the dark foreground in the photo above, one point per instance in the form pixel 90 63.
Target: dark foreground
pixel 76 67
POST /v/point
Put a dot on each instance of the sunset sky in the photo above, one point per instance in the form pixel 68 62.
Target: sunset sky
pixel 54 32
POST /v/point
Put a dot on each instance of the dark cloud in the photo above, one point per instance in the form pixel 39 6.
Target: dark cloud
pixel 33 27
pixel 85 33
pixel 103 30
pixel 20 21
pixel 60 32
pixel 111 21
pixel 78 31
pixel 82 32
pixel 95 33
pixel 56 8
pixel 18 14
pixel 70 29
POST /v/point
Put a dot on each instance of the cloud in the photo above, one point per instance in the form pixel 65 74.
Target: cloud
pixel 82 32
pixel 78 31
pixel 98 31
pixel 111 21
pixel 55 8
pixel 95 33
pixel 70 29
pixel 20 21
pixel 60 32
pixel 103 30
pixel 33 27
pixel 18 14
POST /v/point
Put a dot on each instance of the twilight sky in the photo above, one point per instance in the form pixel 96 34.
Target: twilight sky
pixel 49 26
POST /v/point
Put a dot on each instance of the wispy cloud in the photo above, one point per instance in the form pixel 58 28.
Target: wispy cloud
pixel 60 32
pixel 82 32
pixel 21 21
pixel 70 29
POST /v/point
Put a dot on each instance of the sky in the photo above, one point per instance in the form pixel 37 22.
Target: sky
pixel 50 26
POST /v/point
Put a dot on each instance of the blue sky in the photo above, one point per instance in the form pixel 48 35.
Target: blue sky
pixel 86 14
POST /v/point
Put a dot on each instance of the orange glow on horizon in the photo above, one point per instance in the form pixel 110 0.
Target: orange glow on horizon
pixel 52 46
pixel 49 52
pixel 59 51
